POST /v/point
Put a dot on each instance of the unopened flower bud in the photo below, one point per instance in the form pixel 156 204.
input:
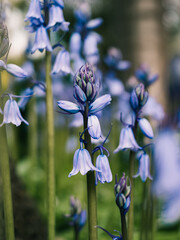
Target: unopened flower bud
pixel 139 97
pixel 85 80
pixel 4 39
pixel 120 200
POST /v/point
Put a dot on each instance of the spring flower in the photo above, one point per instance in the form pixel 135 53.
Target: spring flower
pixel 143 75
pixel 145 127
pixel 82 162
pixel 99 104
pixel 27 96
pixel 11 114
pixel 122 194
pixel 94 131
pixel 41 40
pixel 127 140
pixel 138 97
pixel 68 107
pixel 34 13
pixel 143 170
pixel 102 164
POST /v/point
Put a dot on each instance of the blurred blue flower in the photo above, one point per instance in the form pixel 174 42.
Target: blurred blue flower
pixel 75 44
pixel 26 96
pixel 82 162
pixel 62 63
pixel 143 75
pixel 34 13
pixel 56 19
pixel 145 127
pixel 94 23
pixel 102 164
pixel 13 69
pixel 127 140
pixel 11 113
pixel 143 171
pixel 41 40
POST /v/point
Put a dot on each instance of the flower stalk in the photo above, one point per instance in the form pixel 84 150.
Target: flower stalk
pixel 91 188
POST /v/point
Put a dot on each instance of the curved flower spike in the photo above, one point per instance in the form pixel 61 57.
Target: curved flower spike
pixel 69 107
pixel 102 164
pixel 145 127
pixel 41 40
pixel 127 140
pixel 13 69
pixel 99 103
pixel 82 162
pixel 62 63
pixel 34 13
pixel 12 114
pixel 94 127
pixel 143 170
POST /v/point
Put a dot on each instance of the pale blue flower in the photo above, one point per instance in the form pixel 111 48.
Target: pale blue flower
pixel 102 164
pixel 13 69
pixel 41 40
pixel 68 106
pixel 94 23
pixel 99 103
pixel 27 96
pixel 34 13
pixel 82 162
pixel 145 127
pixel 62 63
pixel 127 140
pixel 143 75
pixel 56 19
pixel 75 44
pixel 11 114
pixel 94 127
pixel 144 171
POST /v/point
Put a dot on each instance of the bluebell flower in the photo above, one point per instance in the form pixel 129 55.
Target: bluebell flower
pixel 127 140
pixel 114 237
pixel 41 40
pixel 143 75
pixel 102 164
pixel 13 69
pixel 143 171
pixel 69 107
pixel 82 162
pixel 99 104
pixel 27 96
pixel 59 2
pixel 75 43
pixel 11 114
pixel 94 23
pixel 145 127
pixel 34 13
pixel 56 19
pixel 94 127
pixel 62 63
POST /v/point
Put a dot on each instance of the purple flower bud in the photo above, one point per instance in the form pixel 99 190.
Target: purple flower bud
pixel 143 170
pixel 79 94
pixel 146 128
pixel 102 164
pixel 12 114
pixel 69 107
pixel 99 104
pixel 138 97
pixel 127 140
pixel 82 162
pixel 94 127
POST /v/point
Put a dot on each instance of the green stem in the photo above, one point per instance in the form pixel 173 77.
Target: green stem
pixel 6 182
pixel 123 226
pixel 91 187
pixel 131 174
pixel 76 233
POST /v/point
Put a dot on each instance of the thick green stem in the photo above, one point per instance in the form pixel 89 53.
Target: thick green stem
pixel 6 182
pixel 123 226
pixel 131 174
pixel 91 187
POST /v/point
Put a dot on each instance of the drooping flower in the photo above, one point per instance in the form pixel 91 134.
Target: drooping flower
pixel 143 75
pixel 127 140
pixel 11 113
pixel 145 127
pixel 82 162
pixel 41 40
pixel 34 13
pixel 94 127
pixel 102 164
pixel 143 171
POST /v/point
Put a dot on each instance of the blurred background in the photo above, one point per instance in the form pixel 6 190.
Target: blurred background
pixel 146 32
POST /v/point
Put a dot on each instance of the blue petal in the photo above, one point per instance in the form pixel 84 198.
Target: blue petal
pixel 16 71
pixel 146 128
pixel 123 65
pixel 94 23
pixel 102 164
pixel 91 44
pixel 34 13
pixel 99 104
pixel 94 127
pixel 76 165
pixel 75 43
pixel 60 3
pixel 69 107
pixel 79 94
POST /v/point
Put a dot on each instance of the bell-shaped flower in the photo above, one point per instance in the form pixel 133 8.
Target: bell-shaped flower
pixel 62 63
pixel 127 140
pixel 99 104
pixel 60 3
pixel 56 19
pixel 13 69
pixel 75 43
pixel 145 127
pixel 11 114
pixel 41 40
pixel 34 13
pixel 143 170
pixel 82 162
pixel 94 127
pixel 102 164
pixel 68 107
